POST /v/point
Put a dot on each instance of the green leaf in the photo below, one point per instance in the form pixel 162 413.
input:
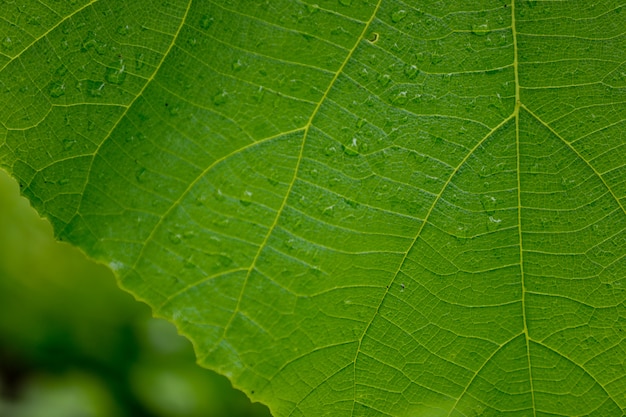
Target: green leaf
pixel 352 208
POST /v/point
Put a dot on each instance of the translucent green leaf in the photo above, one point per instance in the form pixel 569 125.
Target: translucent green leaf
pixel 352 208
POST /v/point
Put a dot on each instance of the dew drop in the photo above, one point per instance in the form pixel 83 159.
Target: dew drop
pixel 206 21
pixel 360 123
pixel 312 8
pixel 220 98
pixel 257 95
pixel 64 181
pixel 400 99
pixel 246 198
pixel 140 174
pixel 489 203
pixel 384 80
pixel 7 43
pixel 352 149
pixel 567 183
pixel 201 199
pixel 175 238
pixel 139 61
pixel 345 2
pixel 34 20
pixel 411 71
pixel 173 110
pixel 219 196
pixel 493 223
pixel 116 73
pixel 68 144
pixel 481 30
pixel 398 15
pixel 237 65
pixel 224 260
pixel 57 89
pixel 330 150
pixel 61 71
pixel 123 30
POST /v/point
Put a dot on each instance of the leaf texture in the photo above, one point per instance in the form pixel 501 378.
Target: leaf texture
pixel 353 207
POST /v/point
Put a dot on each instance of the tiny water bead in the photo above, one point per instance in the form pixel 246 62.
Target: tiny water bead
pixel 56 89
pixel 481 30
pixel 238 65
pixel 398 15
pixel 400 98
pixel 220 98
pixel 116 73
pixel 246 198
pixel 411 71
pixel 206 21
pixel 384 80
pixel 7 44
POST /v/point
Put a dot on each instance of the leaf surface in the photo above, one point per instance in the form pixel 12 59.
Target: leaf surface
pixel 354 207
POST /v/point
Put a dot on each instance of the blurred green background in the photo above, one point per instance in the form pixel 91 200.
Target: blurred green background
pixel 72 344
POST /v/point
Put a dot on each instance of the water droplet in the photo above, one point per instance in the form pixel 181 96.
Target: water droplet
pixel 330 150
pixel 7 43
pixel 89 42
pixel 224 260
pixel 314 173
pixel 493 223
pixel 123 30
pixel 462 234
pixel 489 203
pixel 57 89
pixel 312 8
pixel 384 80
pixel 352 149
pixel 63 181
pixel 206 21
pixel 257 95
pixel 398 15
pixel 173 110
pixel 238 65
pixel 246 198
pixel 61 71
pixel 345 2
pixel 220 98
pixel 116 72
pixel 400 99
pixel 201 199
pixel 139 61
pixel 568 183
pixel 481 30
pixel 140 174
pixel 411 71
pixel 192 41
pixel 218 195
pixel 68 143
pixel 175 238
pixel 329 211
pixel 360 123
pixel 34 20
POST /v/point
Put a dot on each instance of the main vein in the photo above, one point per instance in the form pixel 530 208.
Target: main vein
pixel 519 203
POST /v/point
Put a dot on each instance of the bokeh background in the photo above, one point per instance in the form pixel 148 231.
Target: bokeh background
pixel 72 344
